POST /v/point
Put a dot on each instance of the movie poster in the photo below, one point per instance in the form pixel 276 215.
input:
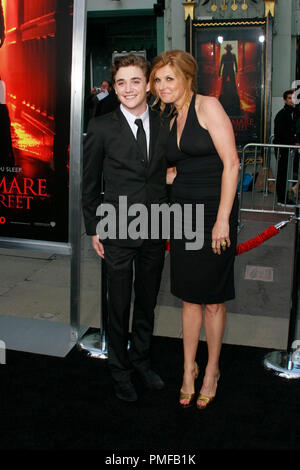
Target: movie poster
pixel 231 67
pixel 35 93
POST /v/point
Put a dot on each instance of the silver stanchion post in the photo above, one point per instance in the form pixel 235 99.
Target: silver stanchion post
pixel 96 343
pixel 287 363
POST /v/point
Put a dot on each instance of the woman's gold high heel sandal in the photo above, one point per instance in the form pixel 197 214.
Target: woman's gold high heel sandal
pixel 205 399
pixel 188 397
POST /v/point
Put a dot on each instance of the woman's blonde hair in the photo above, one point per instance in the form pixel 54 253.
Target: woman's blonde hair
pixel 183 65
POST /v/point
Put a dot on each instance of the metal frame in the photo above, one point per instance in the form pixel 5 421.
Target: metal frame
pixel 265 147
pixel 194 26
pixel 73 247
pixel 76 123
pixel 268 77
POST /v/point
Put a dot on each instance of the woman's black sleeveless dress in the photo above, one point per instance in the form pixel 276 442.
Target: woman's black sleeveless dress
pixel 199 276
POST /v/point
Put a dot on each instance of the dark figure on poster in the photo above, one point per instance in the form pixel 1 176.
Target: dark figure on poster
pixel 6 151
pixel 229 95
pixel 2 25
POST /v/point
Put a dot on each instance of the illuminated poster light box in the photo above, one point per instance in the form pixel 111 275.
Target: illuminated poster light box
pixel 35 93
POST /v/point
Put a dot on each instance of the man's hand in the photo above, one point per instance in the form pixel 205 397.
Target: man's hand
pixel 95 90
pixel 98 247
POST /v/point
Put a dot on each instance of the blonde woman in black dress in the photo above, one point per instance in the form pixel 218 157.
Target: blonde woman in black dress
pixel 202 149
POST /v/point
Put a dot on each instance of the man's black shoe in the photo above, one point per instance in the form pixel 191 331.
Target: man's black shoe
pixel 288 203
pixel 125 391
pixel 151 379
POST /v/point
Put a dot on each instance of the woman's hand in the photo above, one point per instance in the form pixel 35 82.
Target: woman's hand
pixel 171 174
pixel 220 235
pixel 98 247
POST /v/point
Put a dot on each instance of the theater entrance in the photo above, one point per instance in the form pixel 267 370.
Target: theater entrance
pixel 135 30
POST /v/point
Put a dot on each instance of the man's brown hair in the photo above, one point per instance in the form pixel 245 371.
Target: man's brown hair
pixel 126 61
pixel 287 93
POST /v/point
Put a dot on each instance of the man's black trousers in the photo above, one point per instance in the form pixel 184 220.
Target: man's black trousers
pixel 282 174
pixel 147 261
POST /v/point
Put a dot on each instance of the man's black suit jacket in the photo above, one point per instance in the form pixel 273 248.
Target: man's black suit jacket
pixel 285 126
pixel 107 105
pixel 111 148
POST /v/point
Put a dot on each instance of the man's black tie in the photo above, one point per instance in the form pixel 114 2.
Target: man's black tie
pixel 141 138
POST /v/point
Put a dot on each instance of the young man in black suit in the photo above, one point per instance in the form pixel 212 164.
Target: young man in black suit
pixel 127 146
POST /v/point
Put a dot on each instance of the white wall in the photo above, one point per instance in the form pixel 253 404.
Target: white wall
pixel 94 5
pixel 174 25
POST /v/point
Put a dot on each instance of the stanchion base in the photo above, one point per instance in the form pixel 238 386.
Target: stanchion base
pixel 93 344
pixel 278 362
